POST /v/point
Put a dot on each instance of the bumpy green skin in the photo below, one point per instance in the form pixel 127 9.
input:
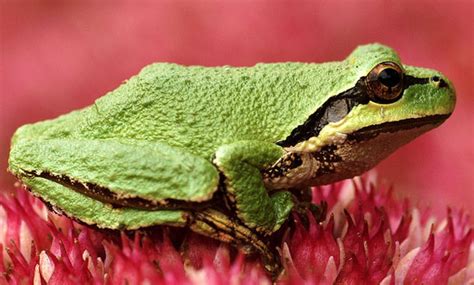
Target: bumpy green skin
pixel 156 136
pixel 241 162
pixel 199 108
pixel 152 170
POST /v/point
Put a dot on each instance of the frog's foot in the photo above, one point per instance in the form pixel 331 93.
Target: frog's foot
pixel 216 225
pixel 306 208
pixel 302 194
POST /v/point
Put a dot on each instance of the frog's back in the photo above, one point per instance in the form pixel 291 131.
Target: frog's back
pixel 199 108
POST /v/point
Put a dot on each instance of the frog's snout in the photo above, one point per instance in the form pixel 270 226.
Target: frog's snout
pixel 445 90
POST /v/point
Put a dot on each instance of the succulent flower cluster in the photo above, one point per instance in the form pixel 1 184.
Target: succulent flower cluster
pixel 366 237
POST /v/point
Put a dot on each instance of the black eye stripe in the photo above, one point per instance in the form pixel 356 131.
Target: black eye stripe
pixel 410 80
pixel 331 111
pixel 339 106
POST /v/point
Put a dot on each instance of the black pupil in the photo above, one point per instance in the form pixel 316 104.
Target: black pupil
pixel 389 77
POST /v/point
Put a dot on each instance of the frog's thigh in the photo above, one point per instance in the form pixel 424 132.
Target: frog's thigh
pixel 241 163
pixel 152 172
pixel 93 212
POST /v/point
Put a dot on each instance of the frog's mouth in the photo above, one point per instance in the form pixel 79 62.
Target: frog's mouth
pixel 364 148
pixel 369 132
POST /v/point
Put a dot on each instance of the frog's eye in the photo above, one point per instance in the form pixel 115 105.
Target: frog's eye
pixel 385 82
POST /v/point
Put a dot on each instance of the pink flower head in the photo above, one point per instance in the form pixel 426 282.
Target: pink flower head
pixel 367 237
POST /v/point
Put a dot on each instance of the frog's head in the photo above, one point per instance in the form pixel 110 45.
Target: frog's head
pixel 388 105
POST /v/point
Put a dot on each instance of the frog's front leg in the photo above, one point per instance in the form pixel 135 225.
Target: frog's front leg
pixel 241 164
pixel 294 170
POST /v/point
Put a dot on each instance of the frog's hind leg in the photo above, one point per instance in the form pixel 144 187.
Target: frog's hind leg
pixel 219 226
pixel 124 172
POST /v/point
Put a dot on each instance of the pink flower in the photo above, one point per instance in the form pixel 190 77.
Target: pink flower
pixel 367 237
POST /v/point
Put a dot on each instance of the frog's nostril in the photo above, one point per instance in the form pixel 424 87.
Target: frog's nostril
pixel 439 81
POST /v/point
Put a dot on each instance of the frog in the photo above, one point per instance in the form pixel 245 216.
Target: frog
pixel 224 151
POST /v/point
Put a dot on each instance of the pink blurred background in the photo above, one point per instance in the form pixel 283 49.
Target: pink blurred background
pixel 58 56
